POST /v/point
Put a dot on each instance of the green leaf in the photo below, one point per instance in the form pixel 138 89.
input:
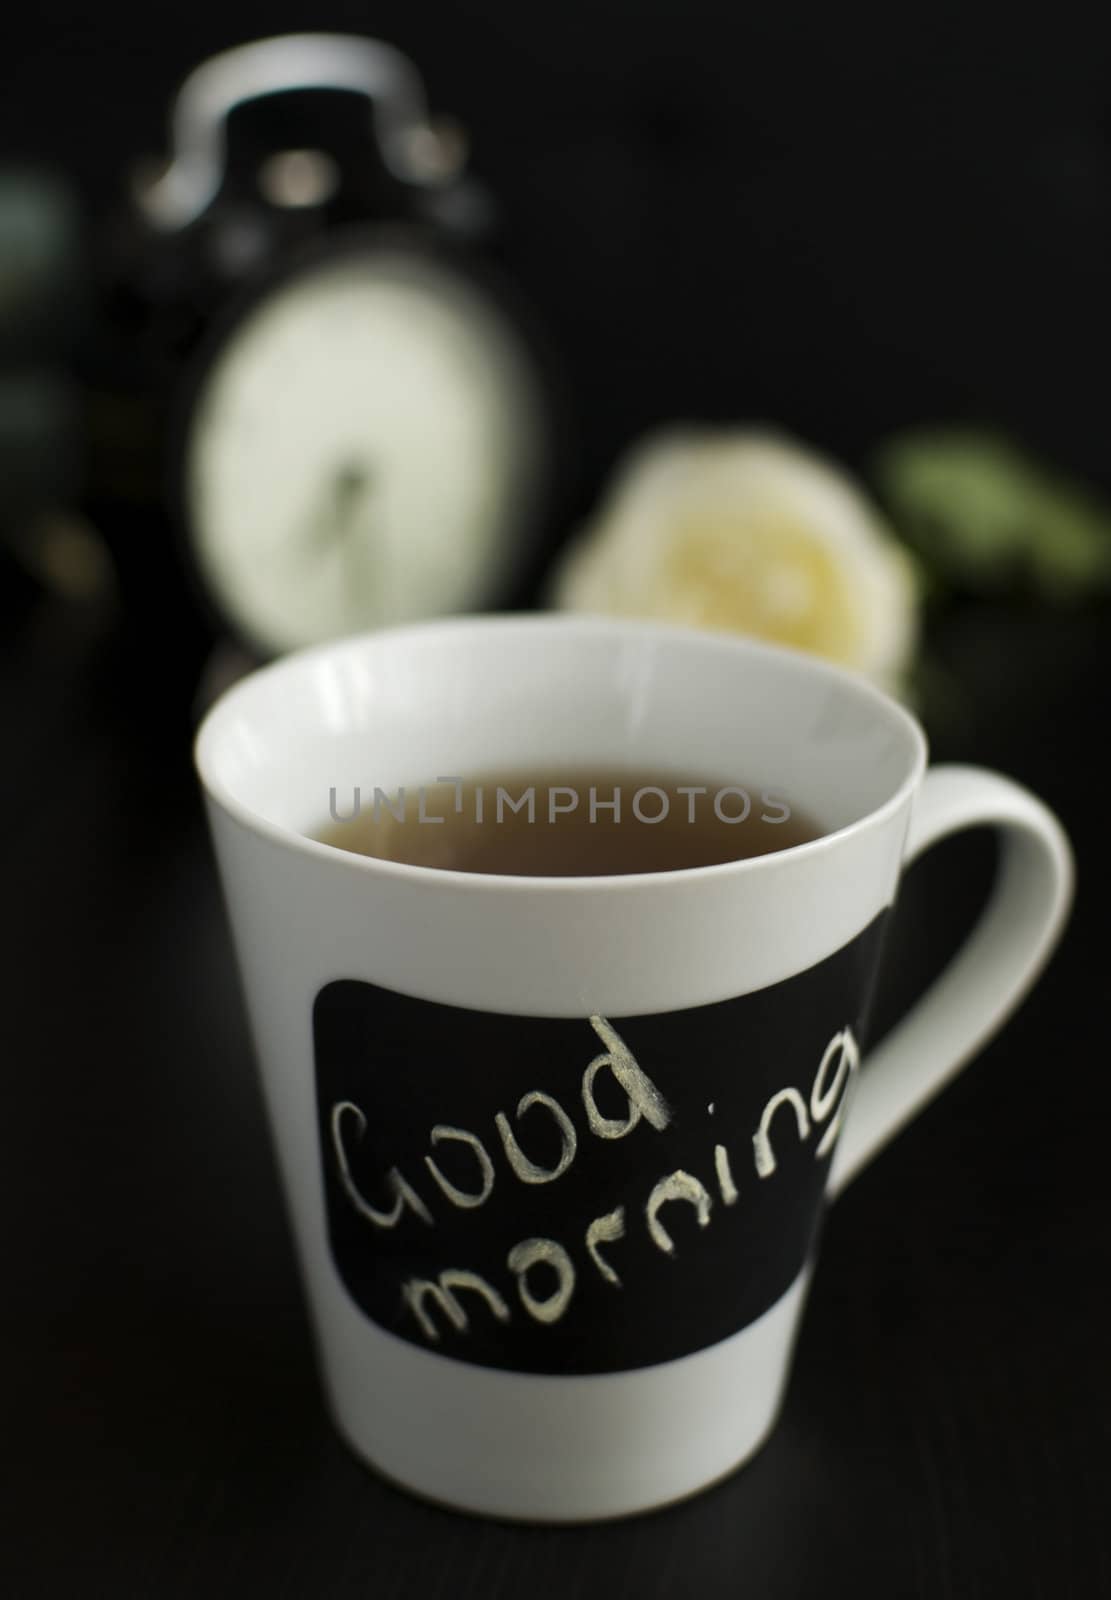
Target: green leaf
pixel 984 514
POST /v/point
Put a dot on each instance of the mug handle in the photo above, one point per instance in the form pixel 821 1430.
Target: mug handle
pixel 989 974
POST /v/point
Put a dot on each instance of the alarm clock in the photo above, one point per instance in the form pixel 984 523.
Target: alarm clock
pixel 364 444
pixel 358 416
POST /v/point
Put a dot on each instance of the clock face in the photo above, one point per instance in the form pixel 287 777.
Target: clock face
pixel 362 451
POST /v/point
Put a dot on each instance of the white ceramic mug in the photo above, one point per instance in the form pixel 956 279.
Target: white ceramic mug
pixel 556 1150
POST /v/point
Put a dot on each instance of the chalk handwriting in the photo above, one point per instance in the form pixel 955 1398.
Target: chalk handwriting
pixel 823 1109
pixel 457 1196
pixel 822 1102
pixel 605 1230
pixel 533 1252
pixel 403 1194
pixel 724 1175
pixel 677 1186
pixel 761 1139
pixel 526 1170
pixel 645 1100
pixel 418 1290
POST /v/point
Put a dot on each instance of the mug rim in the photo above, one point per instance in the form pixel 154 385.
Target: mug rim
pixel 710 640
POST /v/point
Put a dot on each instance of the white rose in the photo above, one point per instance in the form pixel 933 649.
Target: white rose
pixel 748 532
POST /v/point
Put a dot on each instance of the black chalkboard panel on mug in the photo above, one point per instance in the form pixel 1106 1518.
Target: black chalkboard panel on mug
pixel 570 1195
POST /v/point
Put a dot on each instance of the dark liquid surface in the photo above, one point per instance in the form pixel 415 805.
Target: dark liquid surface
pixel 570 829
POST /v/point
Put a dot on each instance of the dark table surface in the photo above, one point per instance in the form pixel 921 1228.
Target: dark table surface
pixel 948 1427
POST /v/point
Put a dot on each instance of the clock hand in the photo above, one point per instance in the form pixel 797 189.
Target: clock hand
pixel 347 489
pixel 355 530
pixel 344 525
pixel 334 519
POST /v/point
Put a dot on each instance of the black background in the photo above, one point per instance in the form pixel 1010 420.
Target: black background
pixel 842 218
